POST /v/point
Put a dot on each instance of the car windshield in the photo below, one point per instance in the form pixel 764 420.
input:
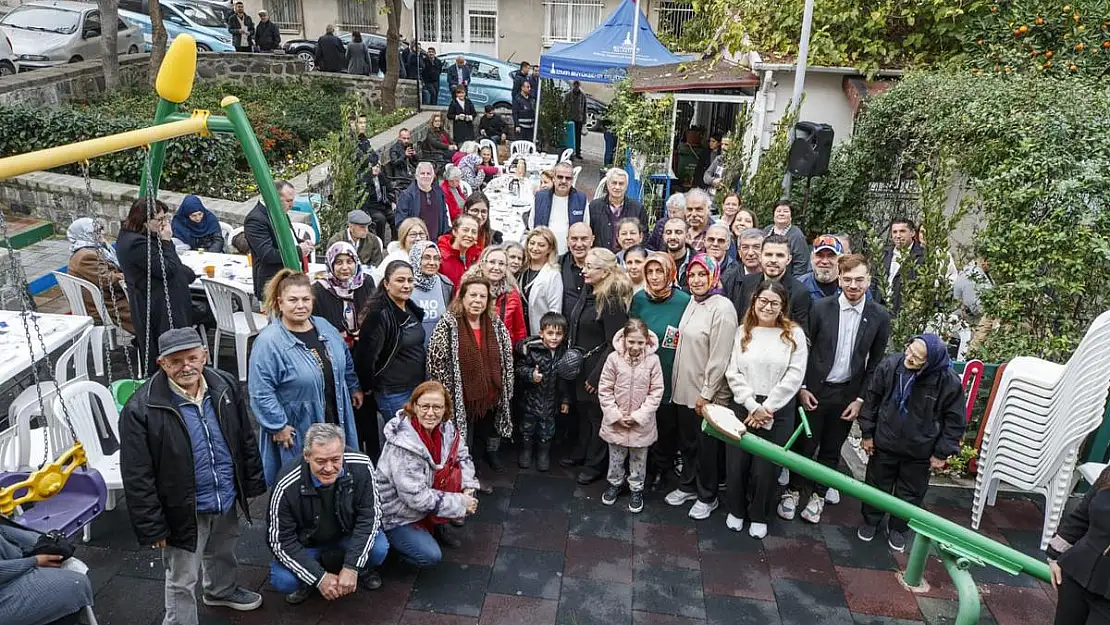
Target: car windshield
pixel 201 16
pixel 43 19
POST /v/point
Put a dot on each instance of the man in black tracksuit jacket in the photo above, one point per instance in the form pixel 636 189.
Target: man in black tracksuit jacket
pixel 912 420
pixel 324 520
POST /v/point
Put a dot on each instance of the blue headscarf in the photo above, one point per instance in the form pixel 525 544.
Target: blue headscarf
pixel 936 360
pixel 187 231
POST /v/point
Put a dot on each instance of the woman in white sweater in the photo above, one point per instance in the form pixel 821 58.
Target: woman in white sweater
pixel 541 282
pixel 766 370
pixel 705 341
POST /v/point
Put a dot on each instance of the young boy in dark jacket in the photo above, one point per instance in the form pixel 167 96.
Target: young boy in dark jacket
pixel 543 393
pixel 912 420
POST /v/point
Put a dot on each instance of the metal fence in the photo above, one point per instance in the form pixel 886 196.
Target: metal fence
pixel 570 20
pixel 287 15
pixel 360 15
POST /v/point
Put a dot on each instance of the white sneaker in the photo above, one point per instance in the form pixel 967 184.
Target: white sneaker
pixel 832 496
pixel 734 523
pixel 757 530
pixel 789 505
pixel 701 511
pixel 812 512
pixel 784 477
pixel 677 497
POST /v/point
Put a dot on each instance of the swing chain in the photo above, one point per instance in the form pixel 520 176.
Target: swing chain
pixel 151 199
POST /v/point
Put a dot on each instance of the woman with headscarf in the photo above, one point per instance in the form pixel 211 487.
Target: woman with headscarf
pixel 470 165
pixel 707 328
pixel 431 290
pixel 453 193
pixel 472 356
pixel 196 226
pixel 94 260
pixel 912 420
pixel 660 305
pixel 594 317
pixel 343 290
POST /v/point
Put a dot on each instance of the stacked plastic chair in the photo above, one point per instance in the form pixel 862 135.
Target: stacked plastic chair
pixel 1041 415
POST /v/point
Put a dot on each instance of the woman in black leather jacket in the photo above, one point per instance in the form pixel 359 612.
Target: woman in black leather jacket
pixel 1079 558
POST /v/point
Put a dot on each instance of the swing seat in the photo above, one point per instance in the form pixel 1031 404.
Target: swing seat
pixel 72 508
pixel 122 390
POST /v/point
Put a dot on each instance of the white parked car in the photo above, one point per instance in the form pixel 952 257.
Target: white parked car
pixel 44 34
pixel 8 64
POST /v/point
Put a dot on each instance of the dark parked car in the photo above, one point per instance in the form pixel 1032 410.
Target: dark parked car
pixel 305 49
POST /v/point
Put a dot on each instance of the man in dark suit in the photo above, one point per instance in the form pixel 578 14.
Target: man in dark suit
pixel 331 54
pixel 262 239
pixel 901 259
pixel 458 74
pixel 615 205
pixel 775 259
pixel 848 337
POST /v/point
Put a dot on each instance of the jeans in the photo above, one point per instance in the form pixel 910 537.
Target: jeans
pixel 217 535
pixel 415 545
pixel 497 139
pixel 610 148
pixel 390 403
pixel 429 92
pixel 286 581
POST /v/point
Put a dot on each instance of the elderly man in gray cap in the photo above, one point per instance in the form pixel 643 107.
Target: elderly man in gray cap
pixel 188 455
pixel 358 234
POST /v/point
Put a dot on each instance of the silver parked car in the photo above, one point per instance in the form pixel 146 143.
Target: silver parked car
pixel 44 34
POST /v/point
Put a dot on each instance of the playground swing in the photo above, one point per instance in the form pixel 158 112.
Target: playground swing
pixel 66 494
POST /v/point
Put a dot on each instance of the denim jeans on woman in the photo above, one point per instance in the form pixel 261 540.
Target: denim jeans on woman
pixel 415 545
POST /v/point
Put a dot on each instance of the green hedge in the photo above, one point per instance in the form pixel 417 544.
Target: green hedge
pixel 292 119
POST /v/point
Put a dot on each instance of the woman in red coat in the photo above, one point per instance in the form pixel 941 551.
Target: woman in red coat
pixel 494 265
pixel 459 248
pixel 453 193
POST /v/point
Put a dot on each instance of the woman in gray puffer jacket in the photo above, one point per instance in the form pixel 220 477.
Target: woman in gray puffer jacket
pixel 422 449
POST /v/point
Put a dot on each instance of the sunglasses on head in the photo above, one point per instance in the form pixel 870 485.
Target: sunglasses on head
pixel 828 240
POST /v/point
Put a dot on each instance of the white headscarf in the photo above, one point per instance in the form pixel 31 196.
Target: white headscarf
pixel 86 233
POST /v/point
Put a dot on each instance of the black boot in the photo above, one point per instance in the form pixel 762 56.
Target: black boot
pixel 525 460
pixel 444 537
pixel 494 460
pixel 543 457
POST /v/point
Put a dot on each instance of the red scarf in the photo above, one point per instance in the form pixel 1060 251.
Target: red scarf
pixel 447 479
pixel 433 441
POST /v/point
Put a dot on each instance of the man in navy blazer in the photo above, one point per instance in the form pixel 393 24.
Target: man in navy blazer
pixel 560 206
pixel 458 74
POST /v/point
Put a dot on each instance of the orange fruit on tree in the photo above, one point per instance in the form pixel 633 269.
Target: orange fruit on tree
pixel 1039 21
pixel 1073 67
pixel 1048 55
pixel 1106 44
pixel 1023 29
pixel 1079 47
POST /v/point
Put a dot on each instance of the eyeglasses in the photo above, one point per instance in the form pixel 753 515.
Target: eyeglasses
pixel 709 240
pixel 859 280
pixel 763 302
pixel 558 177
pixel 436 408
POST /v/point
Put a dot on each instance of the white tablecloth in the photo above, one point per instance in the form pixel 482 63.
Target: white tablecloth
pixel 230 268
pixel 508 208
pixel 57 331
pixel 540 161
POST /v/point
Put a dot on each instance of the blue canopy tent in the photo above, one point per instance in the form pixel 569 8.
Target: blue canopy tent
pixel 624 39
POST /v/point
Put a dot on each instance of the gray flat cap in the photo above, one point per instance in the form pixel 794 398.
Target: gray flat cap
pixel 178 340
pixel 359 217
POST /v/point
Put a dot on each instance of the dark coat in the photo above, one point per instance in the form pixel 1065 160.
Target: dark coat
pixel 824 330
pixel 295 515
pixel 540 400
pixel 401 166
pixel 601 220
pixel 430 69
pixel 524 112
pixel 461 130
pixel 576 106
pixel 265 254
pixel 236 35
pixel 267 36
pixel 379 337
pixel 132 249
pixel 743 289
pixel 330 307
pixel 576 207
pixel 893 299
pixel 1082 542
pixel 156 458
pixel 937 411
pixel 456 77
pixel 587 330
pixel 491 126
pixel 330 54
pixel 408 205
pixel 519 80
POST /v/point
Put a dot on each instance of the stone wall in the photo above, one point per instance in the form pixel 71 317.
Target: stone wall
pixel 81 82
pixel 60 198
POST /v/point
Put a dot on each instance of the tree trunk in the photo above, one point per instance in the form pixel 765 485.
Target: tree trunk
pixel 158 40
pixel 109 35
pixel 392 55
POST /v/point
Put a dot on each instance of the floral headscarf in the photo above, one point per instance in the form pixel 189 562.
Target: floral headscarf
pixel 343 289
pixel 714 269
pixel 671 271
pixel 421 281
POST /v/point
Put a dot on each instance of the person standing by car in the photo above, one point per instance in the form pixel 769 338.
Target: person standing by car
pixel 358 57
pixel 521 76
pixel 266 34
pixel 524 112
pixel 241 27
pixel 576 112
pixel 330 56
pixel 458 75
pixel 430 69
pixel 461 113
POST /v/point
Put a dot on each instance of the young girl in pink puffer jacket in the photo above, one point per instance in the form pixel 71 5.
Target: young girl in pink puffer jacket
pixel 630 390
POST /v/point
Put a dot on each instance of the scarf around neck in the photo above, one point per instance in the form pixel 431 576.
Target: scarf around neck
pixel 480 366
pixel 432 441
pixel 669 268
pixel 344 289
pixel 421 281
pixel 714 270
pixel 936 360
pixel 188 231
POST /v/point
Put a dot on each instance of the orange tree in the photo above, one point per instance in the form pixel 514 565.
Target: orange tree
pixel 1056 38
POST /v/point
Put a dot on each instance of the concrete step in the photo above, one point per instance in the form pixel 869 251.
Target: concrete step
pixel 24 231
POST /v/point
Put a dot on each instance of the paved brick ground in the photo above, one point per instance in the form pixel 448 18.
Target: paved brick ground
pixel 543 550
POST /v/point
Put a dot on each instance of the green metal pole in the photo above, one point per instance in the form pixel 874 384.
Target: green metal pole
pixel 968 593
pixel 919 555
pixel 216 123
pixel 157 153
pixel 975 542
pixel 290 254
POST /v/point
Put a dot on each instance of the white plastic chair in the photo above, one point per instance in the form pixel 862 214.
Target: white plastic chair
pixel 242 325
pixel 488 143
pixel 577 170
pixel 304 232
pixel 81 399
pixel 522 147
pixel 225 232
pixel 566 155
pixel 74 289
pixel 600 190
pixel 466 188
pixel 228 247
